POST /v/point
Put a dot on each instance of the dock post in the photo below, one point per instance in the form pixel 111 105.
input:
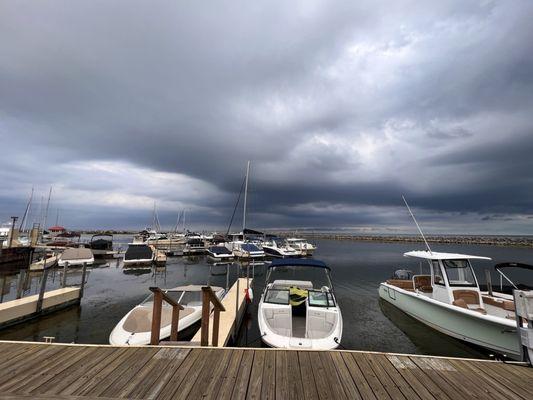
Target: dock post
pixel 174 324
pixel 41 291
pixel 236 310
pixel 204 339
pixel 20 283
pixel 64 280
pixel 83 279
pixel 156 318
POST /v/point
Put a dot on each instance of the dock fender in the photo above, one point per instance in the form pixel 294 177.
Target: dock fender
pixel 249 295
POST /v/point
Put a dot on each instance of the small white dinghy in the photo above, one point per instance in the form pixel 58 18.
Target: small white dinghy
pixel 76 256
pixel 299 314
pixel 135 327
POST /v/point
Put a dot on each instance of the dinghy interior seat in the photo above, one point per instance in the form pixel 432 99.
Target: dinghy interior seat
pixel 141 319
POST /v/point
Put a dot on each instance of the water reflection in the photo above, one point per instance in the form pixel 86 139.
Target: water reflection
pixel 357 270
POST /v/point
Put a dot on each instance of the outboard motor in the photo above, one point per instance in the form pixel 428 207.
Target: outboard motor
pixel 403 274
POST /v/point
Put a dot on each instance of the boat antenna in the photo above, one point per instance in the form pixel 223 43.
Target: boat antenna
pixel 245 196
pixel 418 226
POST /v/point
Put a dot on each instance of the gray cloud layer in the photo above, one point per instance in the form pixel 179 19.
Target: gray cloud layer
pixel 341 106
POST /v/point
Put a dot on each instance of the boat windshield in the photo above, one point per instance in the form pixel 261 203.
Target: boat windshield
pixel 185 298
pixel 277 296
pixel 459 272
pixel 318 276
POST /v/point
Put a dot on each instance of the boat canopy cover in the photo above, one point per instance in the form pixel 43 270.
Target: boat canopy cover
pixel 247 231
pixel 513 265
pixel 219 250
pixel 298 262
pixel 250 247
pixel 138 252
pixel 442 256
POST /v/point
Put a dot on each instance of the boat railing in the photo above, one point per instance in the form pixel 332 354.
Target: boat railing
pixel 159 296
pixel 209 297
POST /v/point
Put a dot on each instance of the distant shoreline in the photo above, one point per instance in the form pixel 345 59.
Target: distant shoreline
pixel 489 240
pixel 502 241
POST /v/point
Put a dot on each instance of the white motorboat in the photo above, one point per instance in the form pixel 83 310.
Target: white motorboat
pixel 76 256
pixel 135 327
pixel 246 250
pixel 302 246
pixel 139 254
pixel 449 300
pixel 102 245
pixel 277 247
pixel 219 253
pixel 47 261
pixel 299 314
pixel 194 245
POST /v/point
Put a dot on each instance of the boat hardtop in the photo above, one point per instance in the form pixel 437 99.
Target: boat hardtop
pixel 433 255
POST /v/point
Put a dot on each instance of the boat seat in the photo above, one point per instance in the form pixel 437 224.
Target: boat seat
pixel 423 283
pixel 469 296
pixel 462 303
pixel 140 320
pixel 507 305
pixel 405 284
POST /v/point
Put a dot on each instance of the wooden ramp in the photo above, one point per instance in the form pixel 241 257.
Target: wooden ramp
pixel 235 304
pixel 58 371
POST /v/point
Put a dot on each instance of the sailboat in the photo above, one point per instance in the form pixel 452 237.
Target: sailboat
pixel 240 246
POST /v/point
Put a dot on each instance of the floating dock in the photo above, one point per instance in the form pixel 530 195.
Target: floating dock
pixel 67 371
pixel 16 310
pixel 234 303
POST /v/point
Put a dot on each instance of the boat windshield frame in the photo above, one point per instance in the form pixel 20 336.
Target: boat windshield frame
pixel 447 265
pixel 310 267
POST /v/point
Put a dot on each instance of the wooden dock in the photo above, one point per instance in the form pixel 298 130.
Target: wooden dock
pixel 234 303
pixel 62 371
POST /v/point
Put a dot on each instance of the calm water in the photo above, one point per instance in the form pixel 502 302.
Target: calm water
pixel 357 270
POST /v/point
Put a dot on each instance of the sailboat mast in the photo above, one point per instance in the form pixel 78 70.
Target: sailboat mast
pixel 46 210
pixel 245 196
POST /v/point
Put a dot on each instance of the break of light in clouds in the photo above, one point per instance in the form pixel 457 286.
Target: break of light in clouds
pixel 342 106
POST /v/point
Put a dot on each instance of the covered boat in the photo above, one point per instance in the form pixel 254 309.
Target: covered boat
pixel 101 245
pixel 76 256
pixel 219 253
pixel 135 327
pixel 303 313
pixel 139 254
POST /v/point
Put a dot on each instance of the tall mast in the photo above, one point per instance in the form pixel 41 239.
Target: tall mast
pixel 26 216
pixel 245 196
pixel 46 210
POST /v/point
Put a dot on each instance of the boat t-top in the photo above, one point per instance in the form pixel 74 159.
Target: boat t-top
pixel 299 313
pixel 449 300
pixel 135 327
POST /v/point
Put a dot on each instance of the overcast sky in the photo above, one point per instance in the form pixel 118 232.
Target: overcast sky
pixel 341 106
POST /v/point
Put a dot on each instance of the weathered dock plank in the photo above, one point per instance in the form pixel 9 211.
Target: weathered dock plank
pixel 61 371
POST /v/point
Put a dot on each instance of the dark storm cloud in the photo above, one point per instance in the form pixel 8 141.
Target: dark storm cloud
pixel 342 107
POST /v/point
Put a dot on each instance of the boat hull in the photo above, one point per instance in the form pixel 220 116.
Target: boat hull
pixel 461 324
